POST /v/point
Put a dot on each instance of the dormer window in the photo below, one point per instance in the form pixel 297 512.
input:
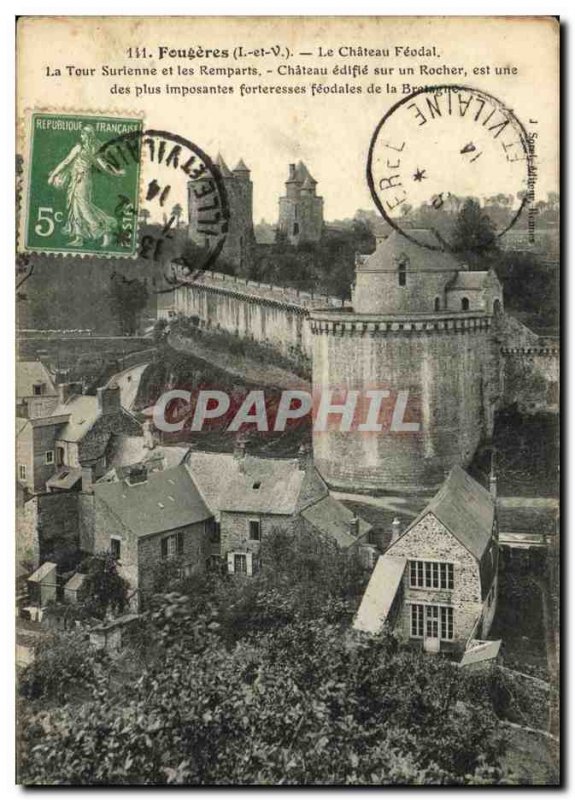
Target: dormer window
pixel 38 389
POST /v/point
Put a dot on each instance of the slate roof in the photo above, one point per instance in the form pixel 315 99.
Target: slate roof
pixel 241 166
pixel 223 167
pixel 165 501
pixel 466 509
pixel 421 259
pixel 124 451
pixel 302 174
pixel 66 478
pixel 83 411
pixel 469 280
pixel 30 372
pixel 43 571
pixel 75 582
pixel 333 519
pixel 380 593
pixel 258 485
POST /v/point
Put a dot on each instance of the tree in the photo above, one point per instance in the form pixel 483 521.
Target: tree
pixel 474 231
pixel 105 588
pixel 128 299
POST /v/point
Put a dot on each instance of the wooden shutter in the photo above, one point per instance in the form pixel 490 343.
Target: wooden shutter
pixel 249 563
pixel 231 569
pixel 164 544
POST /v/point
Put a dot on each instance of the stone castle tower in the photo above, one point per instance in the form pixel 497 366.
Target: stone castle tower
pixel 240 239
pixel 421 324
pixel 301 210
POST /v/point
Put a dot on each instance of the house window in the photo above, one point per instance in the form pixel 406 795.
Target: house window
pixel 402 271
pixel 38 389
pixel 240 563
pixel 295 228
pixel 49 457
pixel 430 575
pixel 417 620
pixel 173 545
pixel 436 622
pixel 255 530
pixel 436 304
pixel 59 456
pixel 22 472
pixel 465 304
pixel 116 548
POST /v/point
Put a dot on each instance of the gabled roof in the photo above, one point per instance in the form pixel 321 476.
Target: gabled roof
pixel 124 451
pixel 251 484
pixel 380 593
pixel 29 373
pixel 165 501
pixel 466 509
pixel 333 519
pixel 479 651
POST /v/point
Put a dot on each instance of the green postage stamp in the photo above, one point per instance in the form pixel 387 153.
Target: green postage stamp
pixel 82 192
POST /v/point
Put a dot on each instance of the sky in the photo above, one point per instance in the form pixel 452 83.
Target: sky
pixel 331 133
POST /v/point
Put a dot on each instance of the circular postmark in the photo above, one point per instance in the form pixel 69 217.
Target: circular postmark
pixel 441 147
pixel 182 218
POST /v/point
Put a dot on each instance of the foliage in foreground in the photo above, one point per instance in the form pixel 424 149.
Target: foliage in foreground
pixel 267 687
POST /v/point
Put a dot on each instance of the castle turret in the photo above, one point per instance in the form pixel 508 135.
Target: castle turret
pixel 301 210
pixel 240 239
pixel 417 347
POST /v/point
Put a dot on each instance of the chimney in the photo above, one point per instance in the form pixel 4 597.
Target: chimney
pixel 493 485
pixel 87 478
pixel 395 529
pixel 68 390
pixel 493 476
pixel 304 457
pixel 291 176
pixel 354 526
pixel 108 399
pixel 240 451
pixel 149 437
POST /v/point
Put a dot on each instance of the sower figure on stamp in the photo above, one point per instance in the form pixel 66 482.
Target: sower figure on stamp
pixel 85 220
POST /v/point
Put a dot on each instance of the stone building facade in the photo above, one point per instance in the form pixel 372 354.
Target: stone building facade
pixel 442 571
pixel 300 209
pixel 240 239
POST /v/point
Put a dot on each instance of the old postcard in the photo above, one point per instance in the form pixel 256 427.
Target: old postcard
pixel 287 413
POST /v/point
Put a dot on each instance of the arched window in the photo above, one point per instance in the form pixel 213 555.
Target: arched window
pixel 497 307
pixel 402 270
pixel 436 304
pixel 465 304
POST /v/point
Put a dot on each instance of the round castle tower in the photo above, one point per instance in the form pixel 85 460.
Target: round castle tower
pixel 420 327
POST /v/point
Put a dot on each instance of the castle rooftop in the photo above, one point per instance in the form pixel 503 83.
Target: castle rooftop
pixel 397 247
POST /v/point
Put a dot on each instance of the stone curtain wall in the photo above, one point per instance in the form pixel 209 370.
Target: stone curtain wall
pixel 262 312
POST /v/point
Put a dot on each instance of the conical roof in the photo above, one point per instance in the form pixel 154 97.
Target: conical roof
pixel 223 167
pixel 308 183
pixel 241 167
pixel 302 174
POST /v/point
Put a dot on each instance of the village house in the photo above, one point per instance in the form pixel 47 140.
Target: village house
pixel 63 441
pixel 150 516
pixel 437 582
pixel 204 510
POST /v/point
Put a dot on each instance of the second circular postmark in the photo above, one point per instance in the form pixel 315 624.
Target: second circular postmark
pixel 441 147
